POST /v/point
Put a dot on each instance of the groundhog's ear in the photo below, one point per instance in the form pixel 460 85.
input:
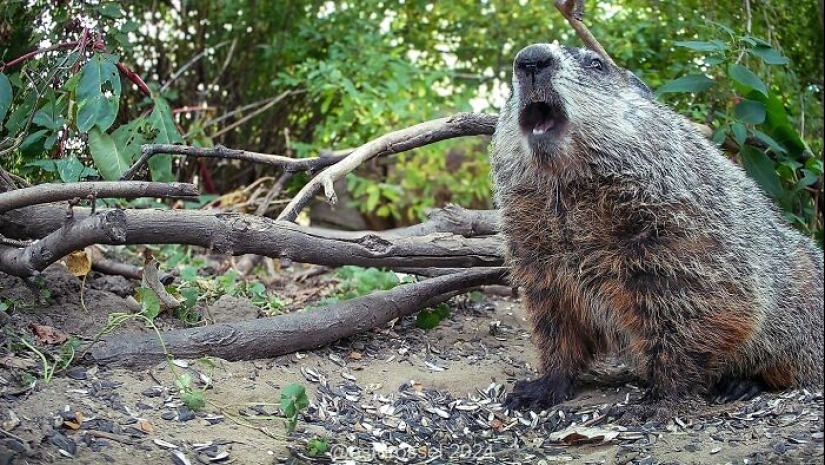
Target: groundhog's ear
pixel 636 84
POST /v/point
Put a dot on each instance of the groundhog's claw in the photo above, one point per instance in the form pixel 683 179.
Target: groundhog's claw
pixel 539 394
pixel 731 389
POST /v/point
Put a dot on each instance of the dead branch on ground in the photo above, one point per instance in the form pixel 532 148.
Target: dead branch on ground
pixel 46 193
pixel 302 330
pixel 237 234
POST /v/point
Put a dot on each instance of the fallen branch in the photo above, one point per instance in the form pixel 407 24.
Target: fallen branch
pixel 303 330
pixel 237 234
pixel 462 124
pixel 47 193
pixel 101 228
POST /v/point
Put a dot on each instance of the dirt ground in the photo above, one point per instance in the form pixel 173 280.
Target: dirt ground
pixel 395 389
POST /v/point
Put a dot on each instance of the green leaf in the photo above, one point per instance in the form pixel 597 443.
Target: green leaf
pixel 194 400
pixel 762 170
pixel 769 55
pixel 316 447
pixel 70 169
pixel 749 112
pixel 769 141
pixel 160 166
pixel 293 399
pixel 6 96
pixel 98 93
pixel 745 76
pixel 129 138
pixel 740 133
pixel 702 46
pixel 108 159
pixel 149 302
pixel 778 125
pixel 690 83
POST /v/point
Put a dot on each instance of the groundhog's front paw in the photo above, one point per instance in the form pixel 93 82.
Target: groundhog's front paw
pixel 729 389
pixel 539 394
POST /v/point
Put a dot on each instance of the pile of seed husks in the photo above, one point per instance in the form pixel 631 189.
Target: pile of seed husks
pixel 418 425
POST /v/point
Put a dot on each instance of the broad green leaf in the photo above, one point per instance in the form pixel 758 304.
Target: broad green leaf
pixel 762 170
pixel 749 112
pixel 98 93
pixel 719 135
pixel 160 166
pixel 6 96
pixel 50 116
pixel 108 159
pixel 745 76
pixel 769 141
pixel 129 138
pixel 149 302
pixel 769 55
pixel 47 165
pixel 691 83
pixel 778 125
pixel 740 133
pixel 32 145
pixel 71 169
pixel 702 46
pixel 20 116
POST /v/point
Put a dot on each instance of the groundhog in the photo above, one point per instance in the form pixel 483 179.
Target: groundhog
pixel 630 232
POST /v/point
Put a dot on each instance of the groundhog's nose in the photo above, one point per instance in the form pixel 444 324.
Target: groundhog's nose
pixel 534 59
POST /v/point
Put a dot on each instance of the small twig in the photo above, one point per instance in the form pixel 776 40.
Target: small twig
pixel 462 124
pixel 189 63
pixel 34 53
pixel 46 193
pixel 254 113
pixel 573 10
pixel 219 151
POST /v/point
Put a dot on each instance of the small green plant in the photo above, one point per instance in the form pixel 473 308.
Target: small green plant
pixel 317 446
pixel 192 397
pixel 356 281
pixel 293 401
pixel 195 289
pixel 429 318
pixel 59 362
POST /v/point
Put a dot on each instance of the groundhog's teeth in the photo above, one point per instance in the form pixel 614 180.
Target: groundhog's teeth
pixel 544 126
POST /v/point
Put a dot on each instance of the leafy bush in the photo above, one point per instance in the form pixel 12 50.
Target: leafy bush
pixel 750 91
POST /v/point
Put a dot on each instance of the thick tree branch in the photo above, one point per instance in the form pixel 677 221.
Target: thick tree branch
pixel 236 234
pixel 454 219
pixel 271 337
pixel 462 124
pixel 102 228
pixel 46 193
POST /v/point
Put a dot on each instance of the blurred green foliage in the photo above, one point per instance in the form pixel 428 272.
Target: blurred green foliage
pixel 347 72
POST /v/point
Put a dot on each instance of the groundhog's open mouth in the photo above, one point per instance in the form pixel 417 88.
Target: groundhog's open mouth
pixel 541 119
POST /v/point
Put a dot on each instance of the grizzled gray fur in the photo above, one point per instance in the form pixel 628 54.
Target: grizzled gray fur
pixel 631 233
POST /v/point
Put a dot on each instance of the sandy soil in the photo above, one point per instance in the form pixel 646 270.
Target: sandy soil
pixel 135 416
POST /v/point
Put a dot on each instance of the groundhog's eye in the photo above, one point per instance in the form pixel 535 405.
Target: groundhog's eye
pixel 596 64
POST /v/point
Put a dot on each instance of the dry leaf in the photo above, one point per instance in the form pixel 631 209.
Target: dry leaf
pixel 145 426
pixel 47 334
pixel 355 355
pixel 79 263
